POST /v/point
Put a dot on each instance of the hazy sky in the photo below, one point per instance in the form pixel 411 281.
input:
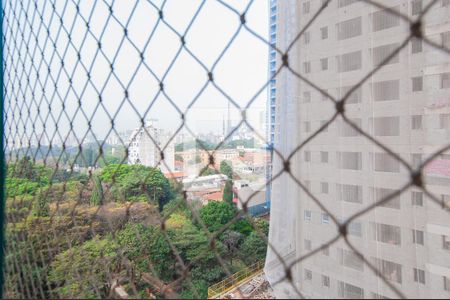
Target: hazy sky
pixel 240 73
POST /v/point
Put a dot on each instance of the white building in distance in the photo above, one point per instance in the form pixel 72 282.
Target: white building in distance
pixel 146 145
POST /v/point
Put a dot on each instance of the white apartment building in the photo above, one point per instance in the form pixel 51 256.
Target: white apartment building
pixel 145 145
pixel 406 107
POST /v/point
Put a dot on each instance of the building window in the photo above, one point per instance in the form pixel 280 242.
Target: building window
pixel 325 281
pixel 445 201
pixel 349 259
pixel 306 97
pixel 384 162
pixel 416 122
pixel 386 126
pixel 306 38
pixel 446 242
pixel 324 64
pixel 324 93
pixel 307 215
pixel 306 7
pixel 322 123
pixel 445 38
pixel 349 291
pixel 418 237
pixel 325 218
pixel 416 159
pixel 384 19
pixel 349 160
pixel 355 229
pixel 382 193
pixel 416 7
pixel 349 193
pixel 308 274
pixel 354 97
pixel 417 198
pixel 416 45
pixel 385 233
pixel 343 3
pixel 445 80
pixel 444 121
pixel 324 33
pixel 386 90
pixel 308 245
pixel 307 67
pixel 349 29
pixel 445 3
pixel 378 296
pixel 308 185
pixel 349 62
pixel 447 283
pixel 381 53
pixel 419 275
pixel 388 269
pixel 323 157
pixel 307 126
pixel 417 84
pixel 346 130
pixel 324 187
pixel 307 156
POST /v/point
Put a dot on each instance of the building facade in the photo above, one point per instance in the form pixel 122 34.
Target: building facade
pixel 145 146
pixel 404 106
pixel 271 102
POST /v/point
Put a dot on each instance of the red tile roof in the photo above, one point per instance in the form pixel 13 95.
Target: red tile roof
pixel 217 196
pixel 174 175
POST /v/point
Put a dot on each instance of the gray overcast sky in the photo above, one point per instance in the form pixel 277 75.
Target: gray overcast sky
pixel 241 72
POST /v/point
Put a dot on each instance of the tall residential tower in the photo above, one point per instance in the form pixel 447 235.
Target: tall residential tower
pixel 404 106
pixel 270 127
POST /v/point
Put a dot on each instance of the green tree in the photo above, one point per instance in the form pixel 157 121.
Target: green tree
pixel 263 226
pixel 85 271
pixel 206 171
pixel 231 240
pixel 24 169
pixel 228 192
pixel 201 287
pixel 253 249
pixel 27 169
pixel 148 249
pixel 242 226
pixel 216 214
pixel 131 181
pixel 225 168
pixel 97 192
pixel 41 207
pixel 107 159
pixel 20 186
pixel 195 250
pixel 87 156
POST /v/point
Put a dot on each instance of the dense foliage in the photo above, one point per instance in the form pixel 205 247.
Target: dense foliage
pixel 226 169
pixel 137 182
pixel 78 235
